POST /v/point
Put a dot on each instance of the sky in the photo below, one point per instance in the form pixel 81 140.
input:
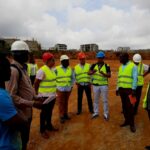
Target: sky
pixel 108 23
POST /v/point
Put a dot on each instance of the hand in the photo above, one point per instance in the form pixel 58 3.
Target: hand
pixel 38 104
pixel 117 92
pixel 40 99
pixel 133 93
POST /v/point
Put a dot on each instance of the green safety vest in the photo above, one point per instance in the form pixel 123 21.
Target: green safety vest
pixel 145 100
pixel 140 74
pixel 63 78
pixel 48 85
pixel 98 78
pixel 81 74
pixel 32 69
pixel 125 78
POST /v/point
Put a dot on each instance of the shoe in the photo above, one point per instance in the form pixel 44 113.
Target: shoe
pixel 62 120
pixel 133 129
pixel 52 128
pixel 66 117
pixel 106 117
pixel 45 135
pixel 94 116
pixel 78 113
pixel 147 147
pixel 124 124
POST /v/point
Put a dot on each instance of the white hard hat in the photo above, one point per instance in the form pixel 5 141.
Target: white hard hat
pixel 19 46
pixel 137 58
pixel 64 57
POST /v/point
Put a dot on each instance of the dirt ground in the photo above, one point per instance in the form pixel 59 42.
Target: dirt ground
pixel 83 133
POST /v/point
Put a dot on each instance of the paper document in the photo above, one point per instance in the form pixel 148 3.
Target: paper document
pixel 49 99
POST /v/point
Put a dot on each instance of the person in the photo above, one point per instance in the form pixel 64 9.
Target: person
pixel 10 120
pixel 45 87
pixel 146 105
pixel 83 82
pixel 100 72
pixel 126 85
pixel 143 70
pixel 32 68
pixel 20 88
pixel 64 82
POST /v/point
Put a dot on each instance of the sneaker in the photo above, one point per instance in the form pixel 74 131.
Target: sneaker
pixel 94 116
pixel 106 117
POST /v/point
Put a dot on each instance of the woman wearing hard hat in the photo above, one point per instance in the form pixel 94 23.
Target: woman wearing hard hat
pixel 143 70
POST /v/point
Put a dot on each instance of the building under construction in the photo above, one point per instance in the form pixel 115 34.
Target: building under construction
pixel 89 47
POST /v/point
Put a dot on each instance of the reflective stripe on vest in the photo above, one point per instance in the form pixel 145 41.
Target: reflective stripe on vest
pixel 63 78
pixel 81 74
pixel 98 78
pixel 125 78
pixel 145 98
pixel 32 69
pixel 140 74
pixel 48 85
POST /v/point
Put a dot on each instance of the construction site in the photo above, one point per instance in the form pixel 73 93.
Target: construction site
pixel 84 133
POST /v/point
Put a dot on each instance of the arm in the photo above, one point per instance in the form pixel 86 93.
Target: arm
pixel 36 85
pixel 92 70
pixel 8 114
pixel 135 77
pixel 13 88
pixel 108 74
pixel 147 68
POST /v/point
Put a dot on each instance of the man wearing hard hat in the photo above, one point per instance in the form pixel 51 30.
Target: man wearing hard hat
pixel 100 72
pixel 45 87
pixel 83 82
pixel 21 89
pixel 64 82
pixel 143 70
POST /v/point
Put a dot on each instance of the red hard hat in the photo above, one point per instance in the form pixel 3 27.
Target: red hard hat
pixel 46 56
pixel 81 55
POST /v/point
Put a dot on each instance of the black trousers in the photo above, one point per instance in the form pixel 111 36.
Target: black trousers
pixel 87 90
pixel 46 116
pixel 128 108
pixel 25 133
pixel 138 97
pixel 32 78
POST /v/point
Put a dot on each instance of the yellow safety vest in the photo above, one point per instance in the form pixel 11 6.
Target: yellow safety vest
pixel 140 74
pixel 145 98
pixel 48 85
pixel 98 78
pixel 32 69
pixel 81 74
pixel 125 78
pixel 63 78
